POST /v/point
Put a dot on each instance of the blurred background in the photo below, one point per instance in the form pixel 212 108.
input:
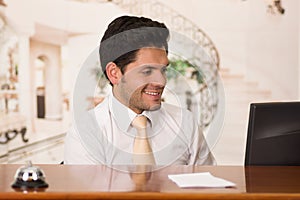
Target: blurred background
pixel 249 53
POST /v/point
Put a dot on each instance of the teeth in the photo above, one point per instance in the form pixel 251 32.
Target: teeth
pixel 152 93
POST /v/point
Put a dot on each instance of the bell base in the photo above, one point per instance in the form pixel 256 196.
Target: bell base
pixel 29 184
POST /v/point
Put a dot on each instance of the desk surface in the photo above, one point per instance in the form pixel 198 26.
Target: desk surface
pixel 101 182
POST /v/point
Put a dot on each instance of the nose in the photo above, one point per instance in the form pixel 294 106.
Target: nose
pixel 159 78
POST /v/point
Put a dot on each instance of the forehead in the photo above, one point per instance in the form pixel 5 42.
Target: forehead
pixel 154 57
pixel 151 56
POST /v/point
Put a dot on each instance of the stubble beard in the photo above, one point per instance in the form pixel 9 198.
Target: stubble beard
pixel 134 99
pixel 136 102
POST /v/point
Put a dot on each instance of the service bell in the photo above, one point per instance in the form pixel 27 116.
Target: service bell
pixel 29 176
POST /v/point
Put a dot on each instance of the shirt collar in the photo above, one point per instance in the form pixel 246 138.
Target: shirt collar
pixel 153 116
pixel 124 116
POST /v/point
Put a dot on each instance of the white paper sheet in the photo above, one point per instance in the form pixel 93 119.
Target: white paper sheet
pixel 199 180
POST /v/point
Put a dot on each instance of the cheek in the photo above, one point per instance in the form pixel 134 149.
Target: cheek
pixel 134 83
pixel 131 86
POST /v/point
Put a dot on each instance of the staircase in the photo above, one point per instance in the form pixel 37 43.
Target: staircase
pixel 239 93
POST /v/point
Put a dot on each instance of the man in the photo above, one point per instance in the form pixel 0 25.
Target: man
pixel 133 54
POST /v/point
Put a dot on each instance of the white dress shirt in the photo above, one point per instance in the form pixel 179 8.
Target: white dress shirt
pixel 105 136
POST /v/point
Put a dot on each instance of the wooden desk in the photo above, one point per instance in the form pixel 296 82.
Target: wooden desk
pixel 101 182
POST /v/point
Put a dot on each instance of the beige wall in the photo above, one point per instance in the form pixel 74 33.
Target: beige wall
pixel 251 41
pixel 262 46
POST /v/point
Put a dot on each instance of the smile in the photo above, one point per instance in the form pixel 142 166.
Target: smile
pixel 152 93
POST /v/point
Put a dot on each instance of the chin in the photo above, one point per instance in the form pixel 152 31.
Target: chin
pixel 155 107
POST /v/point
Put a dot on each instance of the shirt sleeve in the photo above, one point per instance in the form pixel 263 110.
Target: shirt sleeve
pixel 200 153
pixel 74 152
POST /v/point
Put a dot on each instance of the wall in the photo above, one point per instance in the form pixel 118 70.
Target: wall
pixel 272 51
pixel 252 42
pixel 75 58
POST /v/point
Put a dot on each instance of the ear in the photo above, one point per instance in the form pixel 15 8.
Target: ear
pixel 113 72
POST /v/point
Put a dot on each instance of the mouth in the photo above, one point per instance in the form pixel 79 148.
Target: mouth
pixel 152 93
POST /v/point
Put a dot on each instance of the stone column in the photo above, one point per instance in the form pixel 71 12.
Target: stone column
pixel 25 79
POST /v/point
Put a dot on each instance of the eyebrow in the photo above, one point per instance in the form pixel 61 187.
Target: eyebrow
pixel 153 66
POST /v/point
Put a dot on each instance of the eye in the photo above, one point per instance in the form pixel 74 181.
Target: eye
pixel 147 71
pixel 164 70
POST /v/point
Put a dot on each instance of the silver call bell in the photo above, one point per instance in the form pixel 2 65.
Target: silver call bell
pixel 29 176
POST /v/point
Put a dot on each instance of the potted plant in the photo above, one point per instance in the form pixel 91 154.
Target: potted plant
pixel 181 67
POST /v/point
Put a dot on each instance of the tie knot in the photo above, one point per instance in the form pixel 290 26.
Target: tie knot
pixel 139 122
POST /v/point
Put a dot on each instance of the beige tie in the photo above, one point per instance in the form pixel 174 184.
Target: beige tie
pixel 142 152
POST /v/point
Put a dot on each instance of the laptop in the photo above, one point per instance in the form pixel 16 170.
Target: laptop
pixel 273 136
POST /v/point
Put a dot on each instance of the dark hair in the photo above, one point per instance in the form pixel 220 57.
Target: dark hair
pixel 126 35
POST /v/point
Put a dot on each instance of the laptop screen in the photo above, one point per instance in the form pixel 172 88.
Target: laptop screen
pixel 273 134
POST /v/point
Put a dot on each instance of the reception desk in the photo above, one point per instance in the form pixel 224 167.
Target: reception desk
pixel 102 182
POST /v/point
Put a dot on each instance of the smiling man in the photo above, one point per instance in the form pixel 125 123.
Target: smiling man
pixel 141 86
pixel 132 125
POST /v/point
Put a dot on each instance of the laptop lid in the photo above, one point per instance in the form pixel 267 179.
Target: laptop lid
pixel 273 136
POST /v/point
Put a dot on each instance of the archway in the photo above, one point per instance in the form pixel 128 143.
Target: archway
pixel 47 80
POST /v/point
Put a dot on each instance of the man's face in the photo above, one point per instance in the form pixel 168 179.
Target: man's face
pixel 142 84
